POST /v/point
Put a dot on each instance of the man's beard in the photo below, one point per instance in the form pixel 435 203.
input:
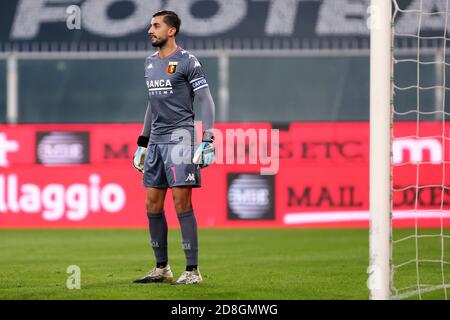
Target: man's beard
pixel 159 43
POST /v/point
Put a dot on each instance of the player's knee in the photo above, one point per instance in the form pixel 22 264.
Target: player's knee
pixel 154 205
pixel 182 204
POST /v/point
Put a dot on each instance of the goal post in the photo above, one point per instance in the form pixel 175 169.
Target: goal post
pixel 380 148
pixel 409 208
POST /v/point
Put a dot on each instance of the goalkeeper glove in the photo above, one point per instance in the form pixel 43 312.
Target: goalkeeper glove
pixel 205 153
pixel 139 155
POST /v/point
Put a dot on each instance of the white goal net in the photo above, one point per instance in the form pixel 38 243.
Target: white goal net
pixel 420 144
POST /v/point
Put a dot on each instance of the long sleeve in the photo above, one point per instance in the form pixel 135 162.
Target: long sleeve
pixel 208 107
pixel 147 121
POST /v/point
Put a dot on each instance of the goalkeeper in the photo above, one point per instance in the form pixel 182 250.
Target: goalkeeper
pixel 166 153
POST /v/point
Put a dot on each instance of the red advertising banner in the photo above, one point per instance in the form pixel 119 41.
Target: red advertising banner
pixel 81 176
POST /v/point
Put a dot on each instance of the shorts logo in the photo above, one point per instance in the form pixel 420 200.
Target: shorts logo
pixel 172 67
pixel 190 177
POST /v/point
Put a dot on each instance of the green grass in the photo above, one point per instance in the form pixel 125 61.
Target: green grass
pixel 235 264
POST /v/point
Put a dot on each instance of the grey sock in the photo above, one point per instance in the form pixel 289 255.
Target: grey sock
pixel 188 225
pixel 158 235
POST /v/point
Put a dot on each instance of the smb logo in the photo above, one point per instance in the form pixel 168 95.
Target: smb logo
pixel 6 146
pixel 250 197
pixel 62 147
pixel 417 149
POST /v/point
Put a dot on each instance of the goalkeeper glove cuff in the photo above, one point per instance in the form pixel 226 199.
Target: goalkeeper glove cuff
pixel 143 141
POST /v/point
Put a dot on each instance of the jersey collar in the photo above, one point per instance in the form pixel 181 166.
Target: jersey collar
pixel 170 55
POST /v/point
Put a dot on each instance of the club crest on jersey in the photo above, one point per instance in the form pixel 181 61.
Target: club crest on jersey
pixel 172 67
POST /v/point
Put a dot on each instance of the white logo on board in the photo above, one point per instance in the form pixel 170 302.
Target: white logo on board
pixel 6 146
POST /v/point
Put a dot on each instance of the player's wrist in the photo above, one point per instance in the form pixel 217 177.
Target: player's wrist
pixel 208 136
pixel 143 141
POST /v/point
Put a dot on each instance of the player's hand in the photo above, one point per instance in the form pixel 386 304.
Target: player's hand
pixel 205 153
pixel 139 158
pixel 139 155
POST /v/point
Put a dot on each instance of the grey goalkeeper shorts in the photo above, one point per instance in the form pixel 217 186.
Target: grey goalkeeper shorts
pixel 170 165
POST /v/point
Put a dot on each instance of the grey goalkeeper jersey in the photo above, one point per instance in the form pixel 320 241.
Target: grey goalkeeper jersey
pixel 172 83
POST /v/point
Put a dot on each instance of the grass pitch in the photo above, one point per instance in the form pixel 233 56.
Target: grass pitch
pixel 235 264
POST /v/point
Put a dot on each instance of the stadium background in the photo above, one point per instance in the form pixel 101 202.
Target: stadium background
pixel 300 66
